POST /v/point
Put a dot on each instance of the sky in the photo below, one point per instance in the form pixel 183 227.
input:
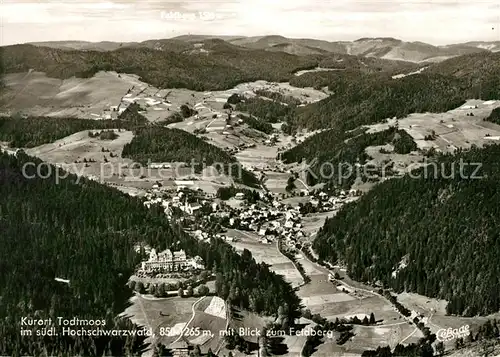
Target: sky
pixel 436 22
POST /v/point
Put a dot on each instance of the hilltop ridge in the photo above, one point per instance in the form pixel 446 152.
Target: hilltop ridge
pixel 379 47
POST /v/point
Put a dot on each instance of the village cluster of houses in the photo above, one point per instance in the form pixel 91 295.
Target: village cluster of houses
pixel 277 220
pixel 179 200
pixel 269 217
pixel 322 202
pixel 180 197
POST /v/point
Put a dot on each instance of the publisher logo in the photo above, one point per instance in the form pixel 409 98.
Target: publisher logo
pixel 449 334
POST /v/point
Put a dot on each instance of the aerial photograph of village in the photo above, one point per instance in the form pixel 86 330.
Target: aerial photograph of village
pixel 283 178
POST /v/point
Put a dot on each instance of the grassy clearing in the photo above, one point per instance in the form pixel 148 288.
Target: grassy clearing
pixel 267 253
pixel 206 322
pixel 453 129
pixel 117 171
pixel 38 95
pixel 156 313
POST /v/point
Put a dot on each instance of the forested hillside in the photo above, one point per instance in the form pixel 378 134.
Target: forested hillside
pixel 257 124
pixel 160 144
pixel 444 226
pixel 177 64
pixel 34 131
pixel 347 149
pixel 270 111
pixel 364 99
pixel 223 67
pixel 86 232
pixel 360 99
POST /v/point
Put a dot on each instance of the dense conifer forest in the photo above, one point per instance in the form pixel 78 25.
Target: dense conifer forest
pixel 226 66
pixel 443 223
pixel 359 98
pixel 256 124
pixel 131 115
pixel 270 111
pixel 494 117
pixel 160 144
pixel 34 131
pixel 179 65
pixel 85 232
pixel 348 149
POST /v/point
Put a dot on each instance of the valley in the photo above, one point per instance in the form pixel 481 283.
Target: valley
pixel 231 172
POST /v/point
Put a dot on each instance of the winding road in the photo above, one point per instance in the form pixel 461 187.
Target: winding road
pixel 190 320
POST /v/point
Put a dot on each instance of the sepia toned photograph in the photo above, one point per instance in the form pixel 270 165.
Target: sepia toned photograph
pixel 242 178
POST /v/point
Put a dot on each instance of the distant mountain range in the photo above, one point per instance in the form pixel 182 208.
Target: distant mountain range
pixel 385 48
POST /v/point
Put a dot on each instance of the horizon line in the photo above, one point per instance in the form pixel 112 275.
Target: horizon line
pixel 225 38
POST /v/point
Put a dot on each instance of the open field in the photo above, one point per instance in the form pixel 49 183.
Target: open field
pixel 370 337
pixel 453 129
pixel 295 200
pixel 314 221
pixel 331 303
pixel 214 306
pixel 310 269
pixel 401 161
pixel 80 146
pixel 209 325
pixel 324 297
pixel 180 315
pixel 217 134
pixel 305 95
pixel 276 182
pixel 120 172
pixel 319 290
pixel 318 69
pixel 232 138
pixel 261 252
pixel 154 313
pixel 262 157
pixel 34 93
pixel 267 253
pixel 259 157
pixel 435 312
